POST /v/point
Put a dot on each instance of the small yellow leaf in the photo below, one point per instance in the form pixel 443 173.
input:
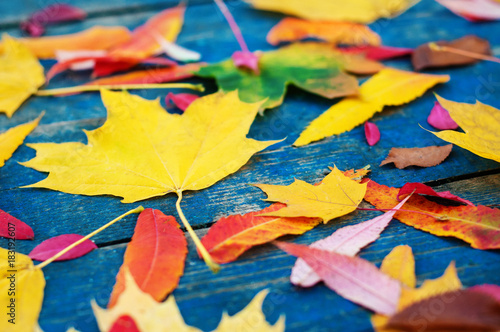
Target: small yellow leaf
pixel 389 87
pixel 250 319
pixel 400 264
pixel 12 138
pixel 336 196
pixel 21 292
pixel 481 124
pixel 361 11
pixel 20 75
pixel 147 314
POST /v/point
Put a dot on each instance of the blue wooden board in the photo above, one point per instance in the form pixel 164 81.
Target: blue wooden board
pixel 202 296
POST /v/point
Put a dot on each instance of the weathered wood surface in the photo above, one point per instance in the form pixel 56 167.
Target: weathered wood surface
pixel 202 296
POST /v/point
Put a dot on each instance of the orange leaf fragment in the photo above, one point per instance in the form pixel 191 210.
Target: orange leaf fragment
pixel 335 32
pixel 477 225
pixel 95 38
pixel 155 256
pixel 231 236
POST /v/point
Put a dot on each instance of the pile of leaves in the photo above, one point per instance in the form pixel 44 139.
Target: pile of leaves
pixel 207 140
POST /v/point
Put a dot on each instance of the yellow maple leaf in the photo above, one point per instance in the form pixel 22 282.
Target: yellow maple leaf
pixel 481 124
pixel 400 264
pixel 335 196
pixel 389 87
pixel 361 11
pixel 12 138
pixel 150 315
pixel 20 75
pixel 142 151
pixel 21 292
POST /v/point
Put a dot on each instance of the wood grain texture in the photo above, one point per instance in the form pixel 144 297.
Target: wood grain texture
pixel 202 296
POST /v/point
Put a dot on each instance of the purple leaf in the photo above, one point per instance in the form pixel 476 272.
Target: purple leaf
pixel 440 118
pixel 245 59
pixel 346 241
pixel 52 246
pixel 35 24
pixel 372 133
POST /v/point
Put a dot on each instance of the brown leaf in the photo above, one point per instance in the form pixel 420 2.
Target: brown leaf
pixel 423 157
pixel 425 57
pixel 462 310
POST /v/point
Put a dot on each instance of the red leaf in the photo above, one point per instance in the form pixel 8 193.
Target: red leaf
pixel 155 256
pixel 181 100
pixel 56 13
pixel 462 310
pixel 246 59
pixel 353 278
pixel 491 290
pixel 420 188
pixel 378 53
pixel 52 246
pixel 124 323
pixel 372 133
pixel 439 118
pixel 231 236
pixel 21 230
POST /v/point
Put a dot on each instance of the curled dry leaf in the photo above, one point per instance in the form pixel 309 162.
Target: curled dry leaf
pixel 154 257
pixel 293 29
pixel 231 236
pixel 335 196
pixel 389 87
pixel 52 246
pixel 22 230
pixel 481 124
pixel 347 240
pixel 14 137
pixel 20 75
pixel 425 56
pixel 353 278
pixel 477 225
pixel 423 157
pixel 439 118
pixel 95 38
pixel 361 11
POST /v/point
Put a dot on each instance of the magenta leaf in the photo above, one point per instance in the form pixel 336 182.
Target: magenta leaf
pixel 379 53
pixel 353 278
pixel 246 59
pixel 491 290
pixel 474 10
pixel 440 118
pixel 14 228
pixel 52 246
pixel 420 188
pixel 372 133
pixel 35 25
pixel 347 240
pixel 181 100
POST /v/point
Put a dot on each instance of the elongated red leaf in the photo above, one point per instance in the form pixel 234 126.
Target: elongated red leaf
pixel 462 310
pixel 477 225
pixel 35 25
pixel 348 241
pixel 181 100
pixel 231 236
pixel 11 227
pixel 52 246
pixel 378 53
pixel 353 278
pixel 155 256
pixel 420 188
pixel 372 133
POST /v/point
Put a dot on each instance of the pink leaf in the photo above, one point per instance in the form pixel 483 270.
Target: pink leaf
pixel 346 241
pixel 245 59
pixel 420 188
pixel 372 133
pixel 11 227
pixel 181 100
pixel 378 53
pixel 353 278
pixel 474 10
pixel 52 246
pixel 51 14
pixel 440 118
pixel 492 290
